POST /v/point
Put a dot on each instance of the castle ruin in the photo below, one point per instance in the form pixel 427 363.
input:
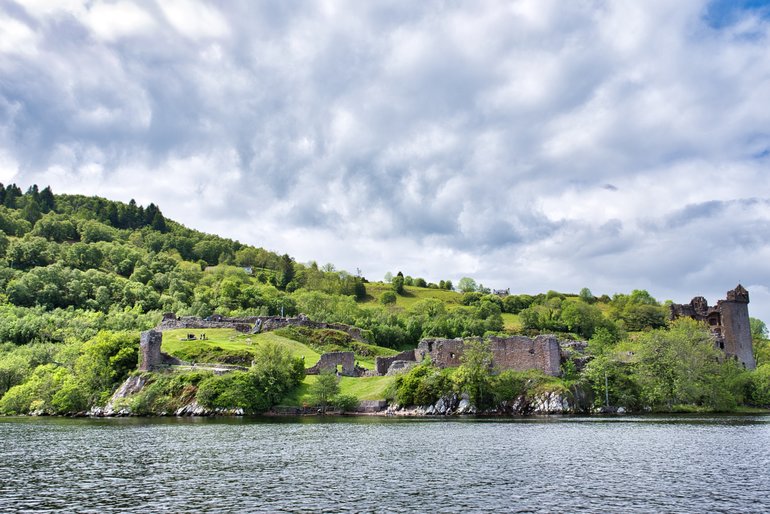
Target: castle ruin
pixel 516 353
pixel 728 321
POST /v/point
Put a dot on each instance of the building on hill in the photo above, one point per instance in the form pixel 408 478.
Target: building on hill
pixel 728 320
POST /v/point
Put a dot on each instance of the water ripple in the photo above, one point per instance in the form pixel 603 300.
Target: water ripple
pixel 647 464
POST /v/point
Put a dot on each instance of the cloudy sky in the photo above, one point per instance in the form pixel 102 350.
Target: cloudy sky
pixel 529 144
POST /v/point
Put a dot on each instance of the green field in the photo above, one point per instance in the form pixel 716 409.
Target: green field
pixel 364 388
pixel 511 322
pixel 230 339
pixel 411 296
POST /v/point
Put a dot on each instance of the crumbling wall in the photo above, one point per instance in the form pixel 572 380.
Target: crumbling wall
pixel 516 353
pixel 149 350
pixel 521 353
pixel 150 356
pixel 728 321
pixel 256 324
pixel 736 329
pixel 382 364
pixel 444 353
pixel 329 362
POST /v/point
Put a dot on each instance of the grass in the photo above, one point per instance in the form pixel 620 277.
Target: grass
pixel 364 388
pixel 411 296
pixel 232 340
pixel 511 322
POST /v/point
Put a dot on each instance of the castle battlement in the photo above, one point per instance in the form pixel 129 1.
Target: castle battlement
pixel 728 321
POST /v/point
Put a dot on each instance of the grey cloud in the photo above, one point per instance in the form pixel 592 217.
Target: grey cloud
pixel 500 141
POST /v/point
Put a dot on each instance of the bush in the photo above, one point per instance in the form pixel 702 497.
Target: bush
pixel 422 385
pixel 345 402
pixel 388 298
pixel 233 390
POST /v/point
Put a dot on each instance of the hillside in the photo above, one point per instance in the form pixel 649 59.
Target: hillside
pixel 80 277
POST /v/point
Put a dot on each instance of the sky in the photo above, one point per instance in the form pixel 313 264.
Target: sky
pixel 529 144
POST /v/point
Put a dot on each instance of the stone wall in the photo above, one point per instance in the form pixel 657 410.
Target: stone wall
pixel 329 362
pixel 728 321
pixel 516 353
pixel 256 324
pixel 150 356
pixel 382 364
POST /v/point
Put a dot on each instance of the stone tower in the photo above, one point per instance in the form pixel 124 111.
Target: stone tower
pixel 150 357
pixel 736 330
pixel 728 321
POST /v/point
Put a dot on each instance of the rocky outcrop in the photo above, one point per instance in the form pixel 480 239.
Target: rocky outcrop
pixel 117 405
pixel 132 385
pixel 453 405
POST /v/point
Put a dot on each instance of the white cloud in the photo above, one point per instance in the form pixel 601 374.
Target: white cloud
pixel 17 38
pixel 111 21
pixel 536 145
pixel 194 19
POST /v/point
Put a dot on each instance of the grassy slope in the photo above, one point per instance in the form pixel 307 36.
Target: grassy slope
pixel 413 295
pixel 365 388
pixel 230 339
pixel 450 299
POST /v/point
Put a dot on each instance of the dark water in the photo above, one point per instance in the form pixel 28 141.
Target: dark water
pixel 645 464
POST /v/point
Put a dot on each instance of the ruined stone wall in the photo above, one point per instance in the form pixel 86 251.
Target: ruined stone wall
pixel 382 364
pixel 248 324
pixel 150 356
pixel 516 353
pixel 736 331
pixel 195 323
pixel 521 353
pixel 728 321
pixel 329 362
pixel 444 353
pixel 149 350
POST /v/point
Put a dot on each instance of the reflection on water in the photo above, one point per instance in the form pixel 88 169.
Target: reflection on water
pixel 367 464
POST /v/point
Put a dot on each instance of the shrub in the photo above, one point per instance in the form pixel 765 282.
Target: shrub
pixel 345 402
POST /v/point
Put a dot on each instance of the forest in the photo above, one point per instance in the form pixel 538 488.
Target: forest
pixel 80 277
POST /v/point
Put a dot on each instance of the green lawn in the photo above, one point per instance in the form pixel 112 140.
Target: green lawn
pixel 364 388
pixel 230 339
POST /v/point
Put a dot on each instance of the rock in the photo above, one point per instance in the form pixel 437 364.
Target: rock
pixel 621 410
pixel 551 403
pixel 440 407
pixel 430 410
pixel 464 407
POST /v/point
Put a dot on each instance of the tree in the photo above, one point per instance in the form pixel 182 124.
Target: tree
pixel 398 283
pixel 586 295
pixel 286 271
pixel 683 366
pixel 758 328
pixel 581 318
pixel 473 374
pixel 275 372
pixel 324 389
pixel 467 285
